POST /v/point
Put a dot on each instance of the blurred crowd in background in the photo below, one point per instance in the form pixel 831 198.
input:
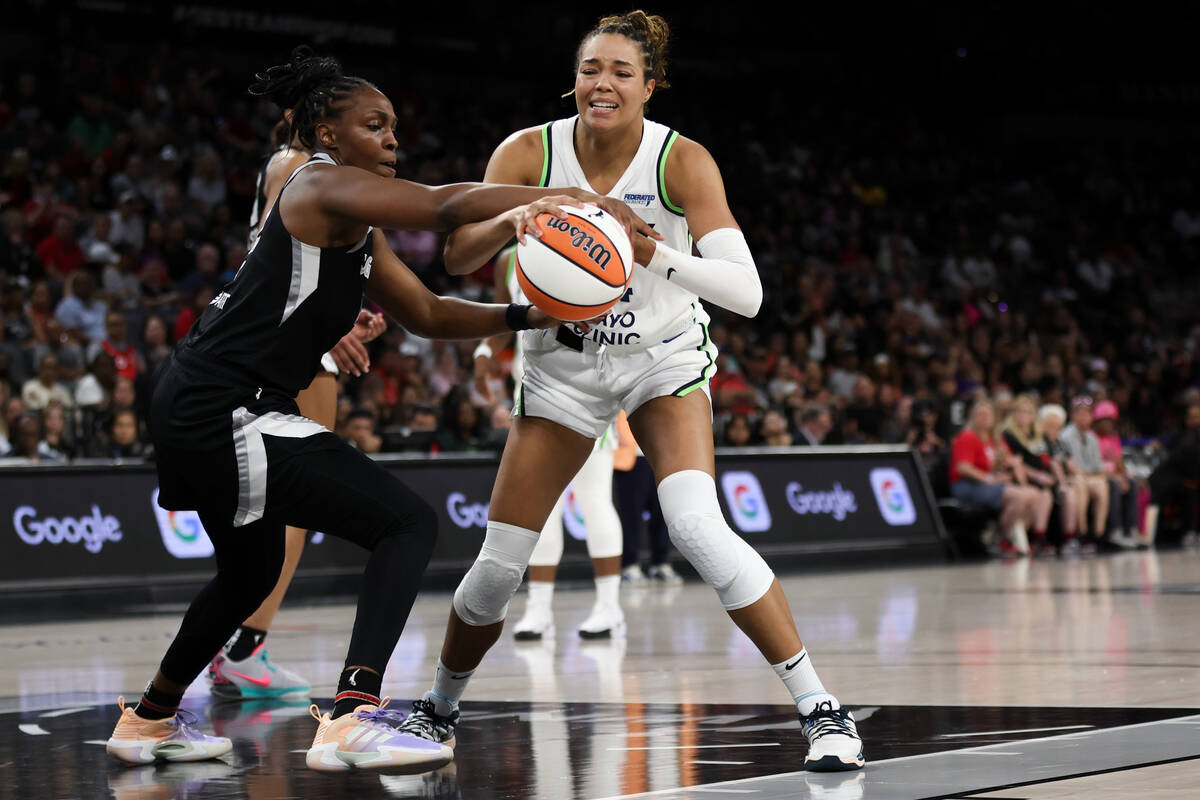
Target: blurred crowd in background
pixel 1014 303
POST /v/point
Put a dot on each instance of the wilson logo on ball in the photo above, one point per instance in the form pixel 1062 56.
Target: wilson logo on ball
pixel 592 254
pixel 579 266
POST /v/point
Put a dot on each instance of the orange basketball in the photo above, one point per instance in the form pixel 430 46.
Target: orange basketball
pixel 579 267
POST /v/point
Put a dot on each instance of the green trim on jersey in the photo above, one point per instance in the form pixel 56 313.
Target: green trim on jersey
pixel 512 266
pixel 662 174
pixel 706 372
pixel 604 438
pixel 546 155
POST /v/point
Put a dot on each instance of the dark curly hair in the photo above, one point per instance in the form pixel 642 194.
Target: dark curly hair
pixel 314 87
pixel 649 31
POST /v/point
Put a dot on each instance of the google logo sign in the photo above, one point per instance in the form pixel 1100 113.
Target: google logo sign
pixel 747 505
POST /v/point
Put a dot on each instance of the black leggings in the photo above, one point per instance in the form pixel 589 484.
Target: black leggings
pixel 316 483
pixel 637 493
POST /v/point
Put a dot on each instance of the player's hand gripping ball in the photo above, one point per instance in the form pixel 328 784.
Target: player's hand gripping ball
pixel 579 267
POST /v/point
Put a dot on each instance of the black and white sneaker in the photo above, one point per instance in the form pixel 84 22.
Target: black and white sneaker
pixel 425 723
pixel 833 741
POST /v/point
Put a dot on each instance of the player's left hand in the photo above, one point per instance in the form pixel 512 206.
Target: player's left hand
pixel 350 355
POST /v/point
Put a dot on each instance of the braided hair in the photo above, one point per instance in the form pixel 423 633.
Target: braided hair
pixel 314 87
pixel 648 31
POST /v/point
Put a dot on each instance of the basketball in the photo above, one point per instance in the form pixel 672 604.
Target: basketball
pixel 579 267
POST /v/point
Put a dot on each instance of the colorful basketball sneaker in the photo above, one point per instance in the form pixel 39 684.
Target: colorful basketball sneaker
pixel 371 738
pixel 833 741
pixel 144 741
pixel 254 678
pixel 427 724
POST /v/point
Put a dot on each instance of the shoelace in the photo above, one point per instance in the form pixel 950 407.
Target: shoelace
pixel 824 720
pixel 424 722
pixel 185 722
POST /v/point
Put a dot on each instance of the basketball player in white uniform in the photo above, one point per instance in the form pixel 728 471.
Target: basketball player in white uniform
pixel 650 355
pixel 593 488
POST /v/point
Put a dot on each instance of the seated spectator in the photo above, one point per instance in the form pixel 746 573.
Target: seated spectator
pixel 124 437
pixel 360 430
pixel 38 392
pixel 157 295
pixel 25 438
pixel 116 343
pixel 57 443
pixel 17 256
pixel 984 473
pixel 1083 449
pixel 930 448
pixel 737 432
pixel 774 429
pixel 815 424
pixel 1176 481
pixel 39 310
pixel 1024 439
pixel 81 312
pixel 59 344
pixel 120 283
pixel 59 252
pixel 1072 494
pixel 460 423
pixel 1122 490
pixel 155 344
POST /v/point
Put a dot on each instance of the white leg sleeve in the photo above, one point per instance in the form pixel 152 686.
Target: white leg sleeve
pixel 482 596
pixel 699 531
pixel 594 494
pixel 550 547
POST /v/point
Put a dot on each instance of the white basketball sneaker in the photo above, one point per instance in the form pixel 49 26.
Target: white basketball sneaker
pixel 833 741
pixel 537 623
pixel 605 621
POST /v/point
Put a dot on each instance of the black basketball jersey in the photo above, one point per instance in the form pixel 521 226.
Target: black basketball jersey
pixel 289 303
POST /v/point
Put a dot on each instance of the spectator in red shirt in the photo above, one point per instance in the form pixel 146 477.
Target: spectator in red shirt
pixel 59 253
pixel 116 343
pixel 983 472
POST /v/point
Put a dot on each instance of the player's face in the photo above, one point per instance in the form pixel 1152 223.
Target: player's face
pixel 610 90
pixel 364 135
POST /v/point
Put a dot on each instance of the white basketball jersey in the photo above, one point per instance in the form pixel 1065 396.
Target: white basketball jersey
pixel 653 309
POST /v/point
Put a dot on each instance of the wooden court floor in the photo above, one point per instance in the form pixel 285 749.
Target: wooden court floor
pixel 1029 679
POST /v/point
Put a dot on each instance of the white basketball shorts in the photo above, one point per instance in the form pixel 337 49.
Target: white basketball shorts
pixel 584 391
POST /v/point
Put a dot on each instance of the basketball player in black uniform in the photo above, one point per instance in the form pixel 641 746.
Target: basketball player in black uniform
pixel 231 446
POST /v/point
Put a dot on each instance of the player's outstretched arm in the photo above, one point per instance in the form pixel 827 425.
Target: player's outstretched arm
pixel 400 293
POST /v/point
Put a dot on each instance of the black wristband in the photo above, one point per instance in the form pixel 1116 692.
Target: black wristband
pixel 517 316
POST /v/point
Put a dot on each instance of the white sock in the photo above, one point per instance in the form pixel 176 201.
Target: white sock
pixel 802 681
pixel 608 589
pixel 541 593
pixel 448 688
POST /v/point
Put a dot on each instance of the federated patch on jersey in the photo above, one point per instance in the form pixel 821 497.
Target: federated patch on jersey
pixel 634 200
pixel 366 267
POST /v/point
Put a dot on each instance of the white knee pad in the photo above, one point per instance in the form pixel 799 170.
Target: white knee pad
pixel 482 596
pixel 699 531
pixel 594 495
pixel 549 549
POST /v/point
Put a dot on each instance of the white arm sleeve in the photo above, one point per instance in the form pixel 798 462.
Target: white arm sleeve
pixel 726 274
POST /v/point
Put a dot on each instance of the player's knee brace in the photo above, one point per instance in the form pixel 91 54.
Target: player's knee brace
pixel 482 596
pixel 699 531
